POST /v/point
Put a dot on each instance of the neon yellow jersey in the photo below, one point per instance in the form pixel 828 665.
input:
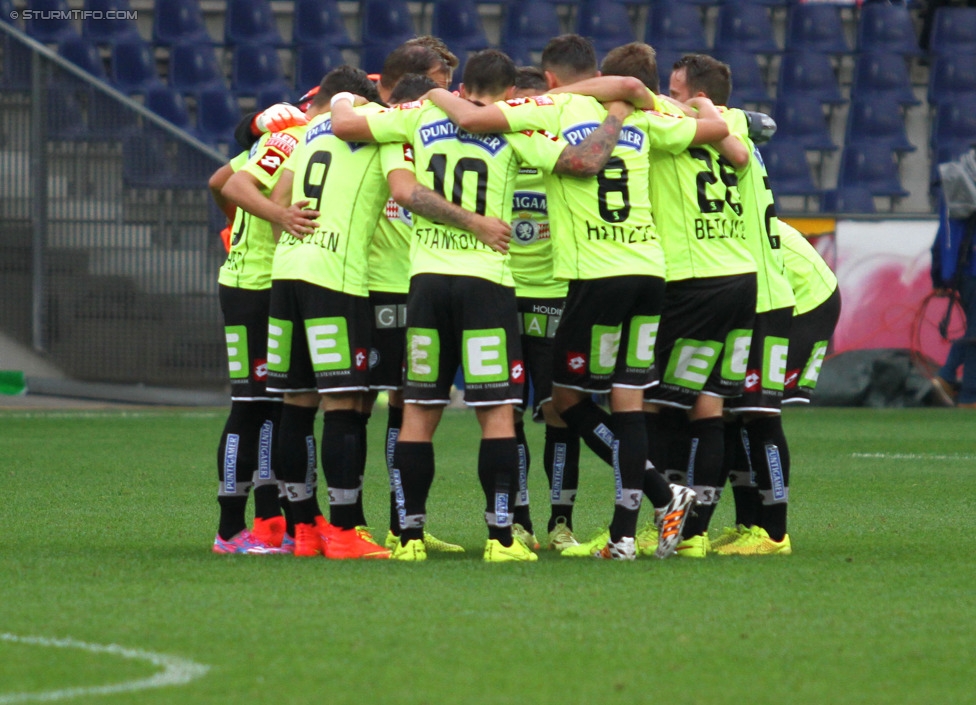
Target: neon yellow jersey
pixel 698 210
pixel 531 246
pixel 344 182
pixel 762 234
pixel 603 226
pixel 809 275
pixel 248 264
pixel 389 252
pixel 476 172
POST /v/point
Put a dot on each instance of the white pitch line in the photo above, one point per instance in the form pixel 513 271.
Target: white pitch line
pixel 913 456
pixel 176 671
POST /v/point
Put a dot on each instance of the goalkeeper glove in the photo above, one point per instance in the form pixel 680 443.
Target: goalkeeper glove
pixel 761 126
pixel 278 117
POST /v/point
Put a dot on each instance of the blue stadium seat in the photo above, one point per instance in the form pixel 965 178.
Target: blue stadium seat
pixel 458 23
pixel 176 21
pixel 872 166
pixel 816 27
pixel 607 24
pixel 276 93
pixel 808 73
pixel 850 199
pixel 133 66
pixel 113 24
pixel 7 8
pixel 217 115
pixel 748 85
pixel 870 120
pixel 676 26
pixel 144 162
pixel 256 68
pixel 767 3
pixel 884 27
pixel 788 169
pixel 746 27
pixel 373 54
pixel 250 22
pixel 666 59
pixel 883 75
pixel 193 67
pixel 954 31
pixel 951 77
pixel 16 75
pixel 320 22
pixel 801 120
pixel 529 26
pixel 312 62
pixel 108 118
pixel 169 105
pixel 386 22
pixel 67 122
pixel 55 28
pixel 84 54
pixel 954 124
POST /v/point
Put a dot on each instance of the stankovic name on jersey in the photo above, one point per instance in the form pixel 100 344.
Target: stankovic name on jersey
pixel 449 239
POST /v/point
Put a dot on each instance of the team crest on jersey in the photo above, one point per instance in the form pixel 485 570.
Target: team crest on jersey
pixel 535 100
pixel 362 359
pixel 260 370
pixel 753 381
pixel 517 372
pixel 397 213
pixel 271 160
pixel 283 142
pixel 576 362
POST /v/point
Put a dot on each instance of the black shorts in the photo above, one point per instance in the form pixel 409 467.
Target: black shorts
pixel 318 339
pixel 704 339
pixel 538 321
pixel 389 338
pixel 246 333
pixel 607 334
pixel 808 346
pixel 766 372
pixel 466 321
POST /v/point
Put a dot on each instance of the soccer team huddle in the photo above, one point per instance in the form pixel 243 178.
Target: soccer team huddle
pixel 557 234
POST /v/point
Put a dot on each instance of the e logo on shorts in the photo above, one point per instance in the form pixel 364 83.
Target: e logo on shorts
pixel 485 355
pixel 423 354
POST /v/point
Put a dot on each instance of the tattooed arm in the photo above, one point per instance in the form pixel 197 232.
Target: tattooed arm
pixel 589 156
pixel 493 232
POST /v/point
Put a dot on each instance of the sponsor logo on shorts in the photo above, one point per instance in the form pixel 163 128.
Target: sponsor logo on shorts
pixel 374 358
pixel 518 372
pixel 791 378
pixel 260 371
pixel 576 362
pixel 753 379
pixel 362 359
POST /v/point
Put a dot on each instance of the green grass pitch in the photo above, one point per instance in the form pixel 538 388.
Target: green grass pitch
pixel 106 521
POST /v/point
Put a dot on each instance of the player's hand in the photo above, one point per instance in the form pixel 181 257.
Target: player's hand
pixel 298 221
pixel 494 232
pixel 620 109
pixel 280 116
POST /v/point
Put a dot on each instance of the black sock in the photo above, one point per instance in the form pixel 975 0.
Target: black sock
pixel 630 462
pixel 297 459
pixel 521 514
pixel 592 425
pixel 561 460
pixel 705 458
pixel 656 487
pixel 413 474
pixel 237 461
pixel 771 460
pixel 360 514
pixel 394 421
pixel 676 428
pixel 738 471
pixel 342 462
pixel 498 472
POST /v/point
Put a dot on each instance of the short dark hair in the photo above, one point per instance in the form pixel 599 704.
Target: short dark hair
pixel 437 45
pixel 345 78
pixel 635 59
pixel 569 51
pixel 411 87
pixel 489 71
pixel 531 77
pixel 408 58
pixel 706 74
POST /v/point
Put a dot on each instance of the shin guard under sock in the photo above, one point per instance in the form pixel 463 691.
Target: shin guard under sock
pixel 592 425
pixel 394 421
pixel 561 460
pixel 770 456
pixel 413 474
pixel 629 464
pixel 705 457
pixel 520 513
pixel 297 460
pixel 343 434
pixel 498 473
pixel 738 471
